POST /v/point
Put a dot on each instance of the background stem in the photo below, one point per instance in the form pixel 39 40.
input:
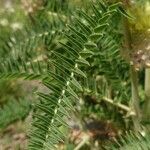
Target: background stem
pixel 133 75
pixel 146 109
pixel 135 100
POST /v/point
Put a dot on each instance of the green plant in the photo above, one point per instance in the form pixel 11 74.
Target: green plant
pixel 14 110
pixel 132 141
pixel 67 62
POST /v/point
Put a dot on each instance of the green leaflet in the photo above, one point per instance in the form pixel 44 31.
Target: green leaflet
pixel 114 6
pixel 82 61
pixel 79 72
pixel 102 5
pixel 81 36
pixel 71 92
pixel 123 12
pixel 78 45
pixel 54 88
pixel 95 36
pixel 64 59
pixel 62 68
pixel 57 77
pixel 57 137
pixel 45 109
pixel 90 45
pixel 48 97
pixel 89 19
pixel 96 11
pixel 61 121
pixel 58 131
pixel 38 135
pixel 68 103
pixel 70 50
pixel 76 84
pixel 100 28
pixel 104 18
pixel 84 28
pixel 41 117
pixel 86 53
pixel 64 111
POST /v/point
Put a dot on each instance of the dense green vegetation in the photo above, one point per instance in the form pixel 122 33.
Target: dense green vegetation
pixel 86 71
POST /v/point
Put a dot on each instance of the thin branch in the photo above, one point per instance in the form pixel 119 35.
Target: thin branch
pixel 119 105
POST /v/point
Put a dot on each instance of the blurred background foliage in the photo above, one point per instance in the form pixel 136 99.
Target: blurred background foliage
pixel 19 18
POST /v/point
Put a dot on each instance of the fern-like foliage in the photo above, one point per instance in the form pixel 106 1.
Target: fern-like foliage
pixel 27 59
pixel 82 40
pixel 108 61
pixel 25 54
pixel 132 142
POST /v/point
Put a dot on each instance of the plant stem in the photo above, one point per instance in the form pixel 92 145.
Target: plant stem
pixel 133 75
pixel 146 110
pixel 135 100
pixel 119 105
